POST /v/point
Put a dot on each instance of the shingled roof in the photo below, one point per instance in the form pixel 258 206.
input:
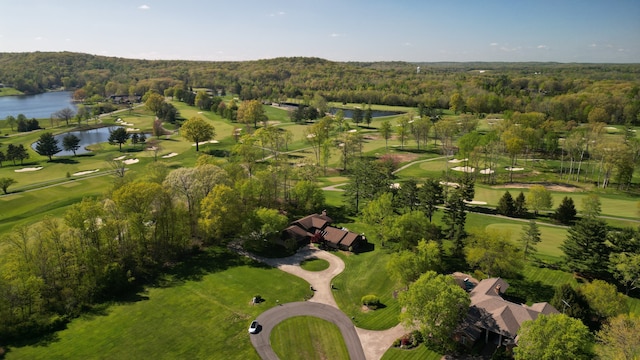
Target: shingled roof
pixel 491 312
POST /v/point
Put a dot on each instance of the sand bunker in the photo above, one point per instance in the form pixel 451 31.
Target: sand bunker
pixel 131 161
pixel 509 168
pixel 452 184
pixel 206 142
pixel 36 168
pixel 132 129
pixel 467 169
pixel 475 202
pixel 353 130
pixel 169 155
pixel 455 161
pixel 486 171
pixel 120 158
pixel 85 172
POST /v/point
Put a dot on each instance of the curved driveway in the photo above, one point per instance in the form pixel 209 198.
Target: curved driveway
pixel 361 343
pixel 273 316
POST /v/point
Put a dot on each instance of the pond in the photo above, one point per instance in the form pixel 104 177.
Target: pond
pixel 348 113
pixel 39 106
pixel 87 137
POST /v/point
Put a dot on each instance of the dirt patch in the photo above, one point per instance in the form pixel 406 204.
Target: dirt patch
pixel 548 186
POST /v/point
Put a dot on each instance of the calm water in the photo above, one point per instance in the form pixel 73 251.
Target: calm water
pixel 39 106
pixel 87 137
pixel 348 113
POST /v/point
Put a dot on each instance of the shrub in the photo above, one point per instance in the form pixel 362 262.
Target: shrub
pixel 371 301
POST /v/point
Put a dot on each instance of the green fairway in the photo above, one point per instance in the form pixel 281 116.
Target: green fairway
pixel 315 264
pixel 32 206
pixel 306 337
pixel 200 314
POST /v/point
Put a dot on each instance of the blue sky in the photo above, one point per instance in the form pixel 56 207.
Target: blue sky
pixel 373 30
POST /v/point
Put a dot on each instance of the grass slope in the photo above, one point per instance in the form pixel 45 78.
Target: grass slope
pixel 202 312
pixel 308 338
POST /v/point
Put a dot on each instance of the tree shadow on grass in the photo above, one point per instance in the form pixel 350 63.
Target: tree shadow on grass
pixel 203 262
pixel 525 291
pixel 64 161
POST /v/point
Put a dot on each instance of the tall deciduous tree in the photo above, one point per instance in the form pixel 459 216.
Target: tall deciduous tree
pixel 71 142
pixel 403 128
pixel 619 338
pixel 406 266
pixel 571 302
pixel 197 130
pixel 386 131
pixel 554 337
pixel 591 206
pixel 251 112
pixel 626 269
pixel 153 101
pixel 65 114
pixel 493 253
pixel 47 145
pixel 118 136
pixel 436 305
pixel 604 299
pixel 539 198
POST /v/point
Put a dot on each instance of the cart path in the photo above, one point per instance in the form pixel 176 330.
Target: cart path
pixel 366 344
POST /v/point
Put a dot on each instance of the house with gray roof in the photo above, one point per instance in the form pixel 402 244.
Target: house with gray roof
pixel 493 316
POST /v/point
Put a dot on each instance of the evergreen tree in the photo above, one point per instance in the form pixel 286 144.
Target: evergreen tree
pixel 430 195
pixel 585 248
pixel 566 212
pixel 47 145
pixel 529 238
pixel 506 205
pixel 455 217
pixel 571 302
pixel 71 142
pixel 520 205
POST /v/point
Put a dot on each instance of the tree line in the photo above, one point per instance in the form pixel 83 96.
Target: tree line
pixel 569 92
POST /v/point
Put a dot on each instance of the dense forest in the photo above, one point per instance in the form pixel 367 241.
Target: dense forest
pixel 569 92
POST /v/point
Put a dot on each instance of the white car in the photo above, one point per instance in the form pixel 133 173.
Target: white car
pixel 253 328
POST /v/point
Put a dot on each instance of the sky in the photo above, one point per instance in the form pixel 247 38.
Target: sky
pixel 591 31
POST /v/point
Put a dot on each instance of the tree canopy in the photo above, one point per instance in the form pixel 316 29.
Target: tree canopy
pixel 197 130
pixel 554 337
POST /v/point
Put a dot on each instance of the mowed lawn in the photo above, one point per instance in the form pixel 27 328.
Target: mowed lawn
pixel 419 353
pixel 202 314
pixel 308 338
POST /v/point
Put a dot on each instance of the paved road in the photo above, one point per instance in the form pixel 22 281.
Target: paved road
pixel 373 343
pixel 270 318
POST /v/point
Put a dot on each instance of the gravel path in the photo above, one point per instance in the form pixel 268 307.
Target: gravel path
pixel 361 343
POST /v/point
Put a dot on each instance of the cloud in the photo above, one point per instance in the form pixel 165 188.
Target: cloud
pixel 144 7
pixel 407 44
pixel 39 38
pixel 493 44
pixel 593 45
pixel 279 13
pixel 543 47
pixel 335 35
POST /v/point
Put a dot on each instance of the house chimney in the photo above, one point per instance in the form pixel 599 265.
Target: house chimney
pixel 498 289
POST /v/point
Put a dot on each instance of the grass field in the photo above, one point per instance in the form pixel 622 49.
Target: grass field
pixel 365 273
pixel 314 264
pixel 202 312
pixel 308 338
pixel 419 353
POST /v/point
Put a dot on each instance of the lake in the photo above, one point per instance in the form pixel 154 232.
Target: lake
pixel 87 137
pixel 39 106
pixel 348 113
